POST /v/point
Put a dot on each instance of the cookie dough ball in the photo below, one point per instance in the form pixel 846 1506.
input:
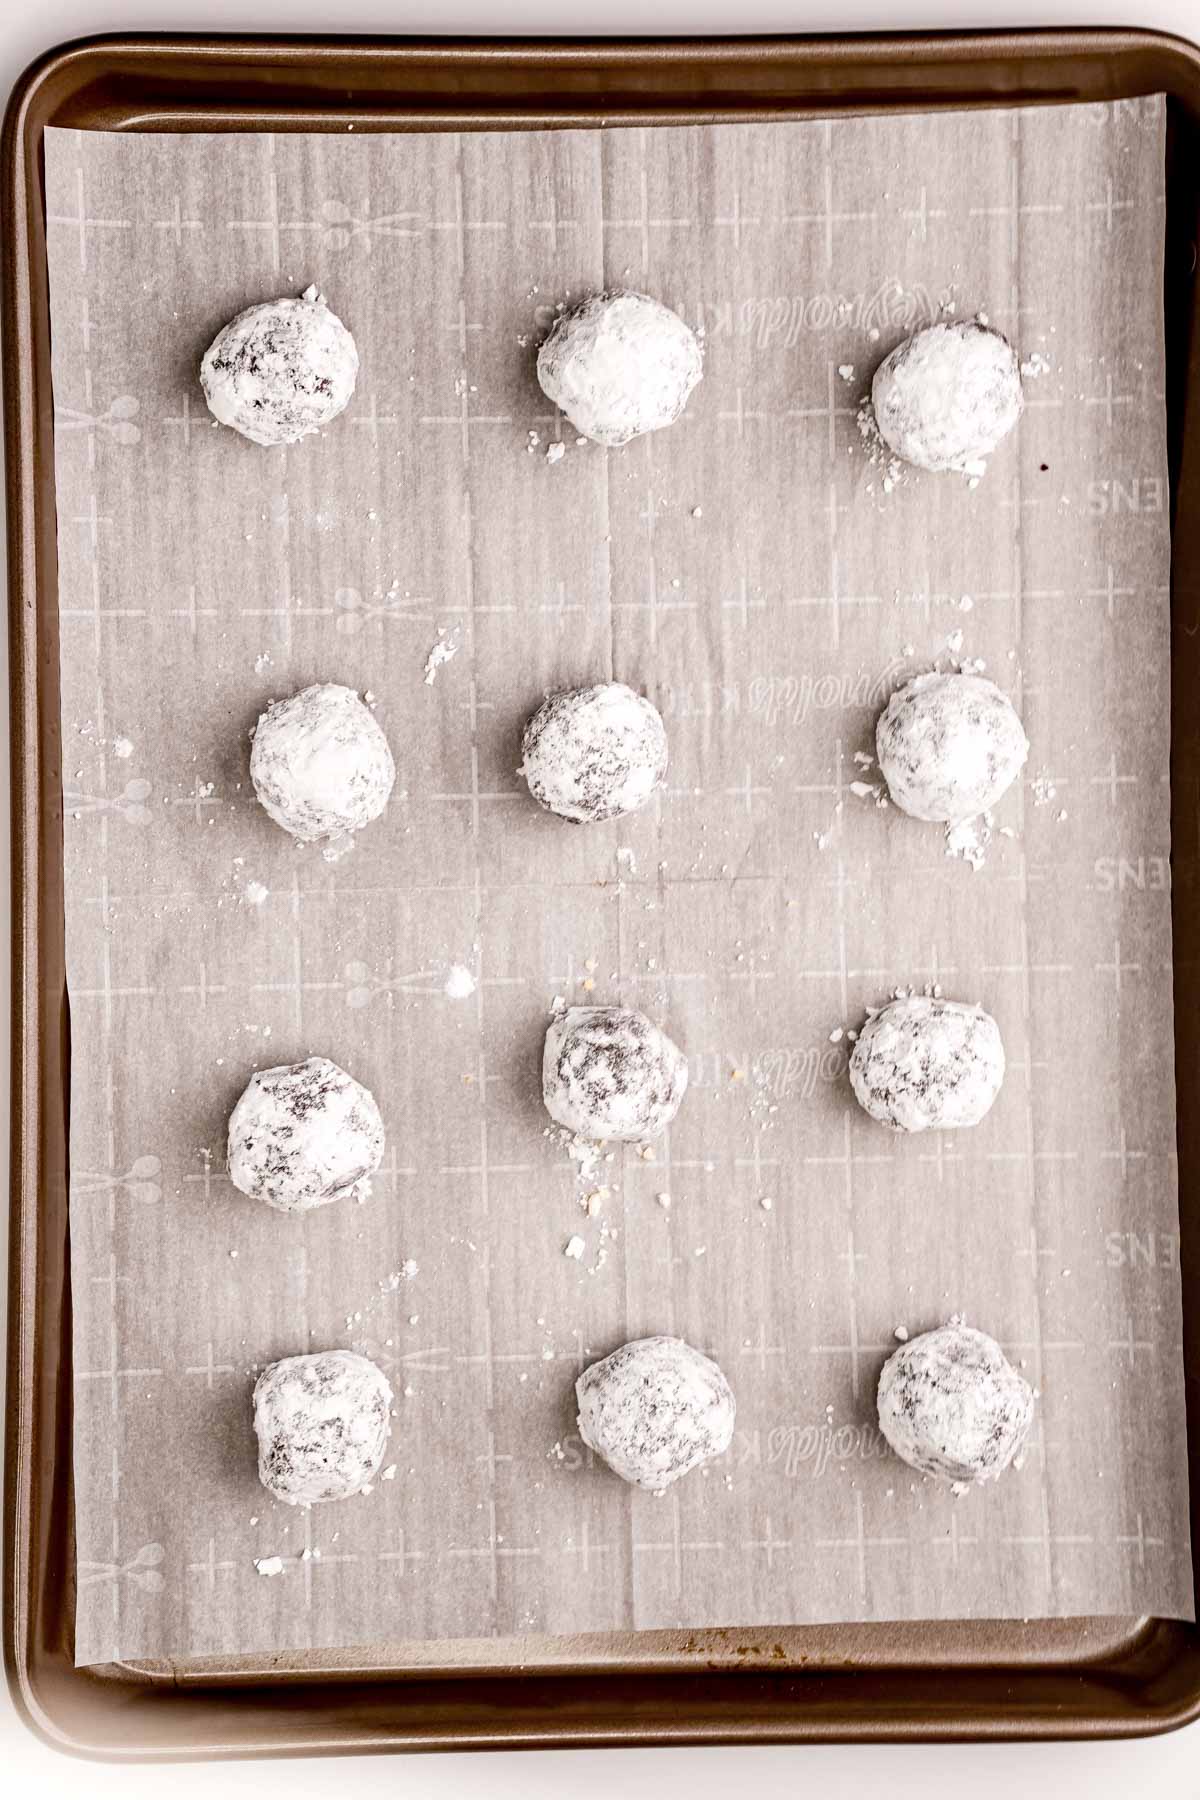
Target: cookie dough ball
pixel 322 1424
pixel 927 1065
pixel 949 746
pixel 952 1405
pixel 609 1072
pixel 654 1409
pixel 304 1134
pixel 281 370
pixel 619 365
pixel 946 396
pixel 320 763
pixel 594 753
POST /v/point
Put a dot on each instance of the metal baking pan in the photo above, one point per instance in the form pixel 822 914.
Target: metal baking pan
pixel 1081 1677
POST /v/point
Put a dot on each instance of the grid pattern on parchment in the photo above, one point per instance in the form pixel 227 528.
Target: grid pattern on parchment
pixel 751 572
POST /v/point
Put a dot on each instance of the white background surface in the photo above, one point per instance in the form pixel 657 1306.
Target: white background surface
pixel 1168 1768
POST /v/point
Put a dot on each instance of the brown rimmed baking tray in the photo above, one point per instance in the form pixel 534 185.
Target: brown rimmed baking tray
pixel 1083 1677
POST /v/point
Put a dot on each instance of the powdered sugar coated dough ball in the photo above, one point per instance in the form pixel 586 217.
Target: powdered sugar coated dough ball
pixel 594 753
pixel 619 365
pixel 320 763
pixel 927 1064
pixel 952 1405
pixel 280 370
pixel 304 1134
pixel 949 746
pixel 610 1072
pixel 946 396
pixel 654 1409
pixel 322 1424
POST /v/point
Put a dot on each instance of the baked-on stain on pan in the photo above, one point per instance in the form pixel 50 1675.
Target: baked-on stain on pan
pixel 971 1680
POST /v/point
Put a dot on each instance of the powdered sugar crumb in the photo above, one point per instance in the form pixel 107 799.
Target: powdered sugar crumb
pixel 443 651
pixel 459 983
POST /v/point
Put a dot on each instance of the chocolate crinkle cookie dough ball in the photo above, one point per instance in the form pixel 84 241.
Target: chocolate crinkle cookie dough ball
pixel 927 1065
pixel 280 370
pixel 618 365
pixel 320 763
pixel 949 395
pixel 610 1072
pixel 322 1424
pixel 949 746
pixel 594 753
pixel 946 396
pixel 654 1409
pixel 304 1134
pixel 952 1405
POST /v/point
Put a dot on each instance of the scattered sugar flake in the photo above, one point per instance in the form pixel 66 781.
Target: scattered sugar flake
pixel 664 1200
pixel 406 1272
pixel 262 663
pixel 555 452
pixel 123 747
pixel 766 1202
pixel 697 512
pixel 338 847
pixel 459 983
pixel 965 603
pixel 1035 365
pixel 442 652
pixel 389 1474
pixel 1060 816
pixel 255 893
pixel 969 839
pixel 877 451
pixel 574 1248
pixel 846 371
pixel 901 1333
pixel 954 642
pixel 870 790
pixel 836 1035
pixel 1044 790
pixel 269 1565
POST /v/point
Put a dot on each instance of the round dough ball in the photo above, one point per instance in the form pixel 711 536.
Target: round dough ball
pixel 952 1405
pixel 322 1423
pixel 610 1072
pixel 304 1134
pixel 281 370
pixel 946 396
pixel 594 753
pixel 320 763
pixel 927 1065
pixel 618 365
pixel 654 1409
pixel 949 746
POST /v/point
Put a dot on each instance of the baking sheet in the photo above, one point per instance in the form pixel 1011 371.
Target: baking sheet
pixel 759 908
